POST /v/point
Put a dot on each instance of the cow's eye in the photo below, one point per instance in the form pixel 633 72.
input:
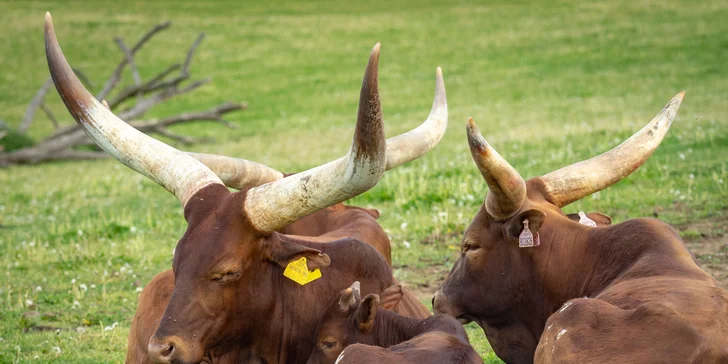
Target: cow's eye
pixel 328 344
pixel 229 276
pixel 470 246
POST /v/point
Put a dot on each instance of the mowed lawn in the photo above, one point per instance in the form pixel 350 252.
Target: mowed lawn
pixel 548 84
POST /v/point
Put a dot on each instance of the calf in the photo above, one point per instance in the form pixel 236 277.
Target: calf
pixel 383 336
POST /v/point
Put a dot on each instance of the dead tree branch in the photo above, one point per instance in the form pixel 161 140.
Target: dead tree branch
pixel 136 101
pixel 116 75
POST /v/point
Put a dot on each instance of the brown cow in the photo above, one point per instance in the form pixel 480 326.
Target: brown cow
pixel 338 219
pixel 625 293
pixel 230 295
pixel 384 336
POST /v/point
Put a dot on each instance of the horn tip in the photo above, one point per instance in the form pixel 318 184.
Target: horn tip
pixel 48 23
pixel 471 123
pixel 356 286
pixel 373 63
pixel 375 50
pixel 438 72
pixel 680 96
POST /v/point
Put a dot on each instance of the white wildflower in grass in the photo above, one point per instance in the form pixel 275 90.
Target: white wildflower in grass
pixel 692 176
pixel 29 302
pixel 139 289
pixel 76 304
pixel 113 326
pixel 73 281
pixel 56 349
pixel 403 226
pixel 133 229
pixel 36 357
pixel 682 156
pixel 93 286
pixel 83 287
pixel 38 289
pixel 406 244
pixel 79 232
pixel 80 329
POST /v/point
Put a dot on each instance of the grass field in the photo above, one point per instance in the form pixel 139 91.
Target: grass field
pixel 549 85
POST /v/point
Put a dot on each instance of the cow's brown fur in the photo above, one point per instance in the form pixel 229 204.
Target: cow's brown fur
pixel 331 224
pixel 645 298
pixel 206 317
pixel 394 338
pixel 431 347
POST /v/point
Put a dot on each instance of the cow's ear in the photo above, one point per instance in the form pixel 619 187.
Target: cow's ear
pixel 390 297
pixel 349 297
pixel 373 212
pixel 514 225
pixel 597 217
pixel 283 252
pixel 367 312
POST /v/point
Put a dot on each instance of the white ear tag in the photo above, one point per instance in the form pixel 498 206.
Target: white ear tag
pixel 525 240
pixel 585 220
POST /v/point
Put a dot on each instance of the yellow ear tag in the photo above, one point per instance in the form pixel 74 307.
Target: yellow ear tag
pixel 298 272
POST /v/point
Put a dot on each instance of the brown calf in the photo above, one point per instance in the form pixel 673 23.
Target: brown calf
pixel 386 336
pixel 625 293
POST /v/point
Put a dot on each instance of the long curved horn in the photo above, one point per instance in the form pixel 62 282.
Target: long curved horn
pixel 417 142
pixel 581 179
pixel 506 188
pixel 276 204
pixel 403 148
pixel 179 173
pixel 238 173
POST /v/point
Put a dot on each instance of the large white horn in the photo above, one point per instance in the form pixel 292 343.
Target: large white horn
pixel 276 204
pixel 581 179
pixel 176 171
pixel 417 142
pixel 238 173
pixel 506 188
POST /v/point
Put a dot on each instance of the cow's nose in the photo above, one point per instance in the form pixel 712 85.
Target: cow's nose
pixel 161 350
pixel 438 303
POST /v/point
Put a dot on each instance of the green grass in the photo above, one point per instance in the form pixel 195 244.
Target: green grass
pixel 549 83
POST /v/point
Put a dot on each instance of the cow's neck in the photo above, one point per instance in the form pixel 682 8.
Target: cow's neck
pixel 290 315
pixel 582 261
pixel 390 329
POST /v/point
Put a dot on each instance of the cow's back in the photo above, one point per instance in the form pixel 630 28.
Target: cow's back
pixel 650 320
pixel 431 347
pixel 154 299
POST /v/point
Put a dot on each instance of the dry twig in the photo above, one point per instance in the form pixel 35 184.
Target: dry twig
pixel 65 141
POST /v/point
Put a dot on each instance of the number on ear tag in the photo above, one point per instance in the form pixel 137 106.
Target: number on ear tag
pixel 298 272
pixel 585 220
pixel 525 240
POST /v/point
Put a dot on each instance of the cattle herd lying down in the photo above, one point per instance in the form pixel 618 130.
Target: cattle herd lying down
pixel 276 272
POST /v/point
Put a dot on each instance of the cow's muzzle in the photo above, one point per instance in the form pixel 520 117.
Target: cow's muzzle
pixel 173 349
pixel 440 304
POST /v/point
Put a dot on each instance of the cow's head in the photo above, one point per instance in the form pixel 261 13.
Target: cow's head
pixel 348 319
pixel 509 290
pixel 231 239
